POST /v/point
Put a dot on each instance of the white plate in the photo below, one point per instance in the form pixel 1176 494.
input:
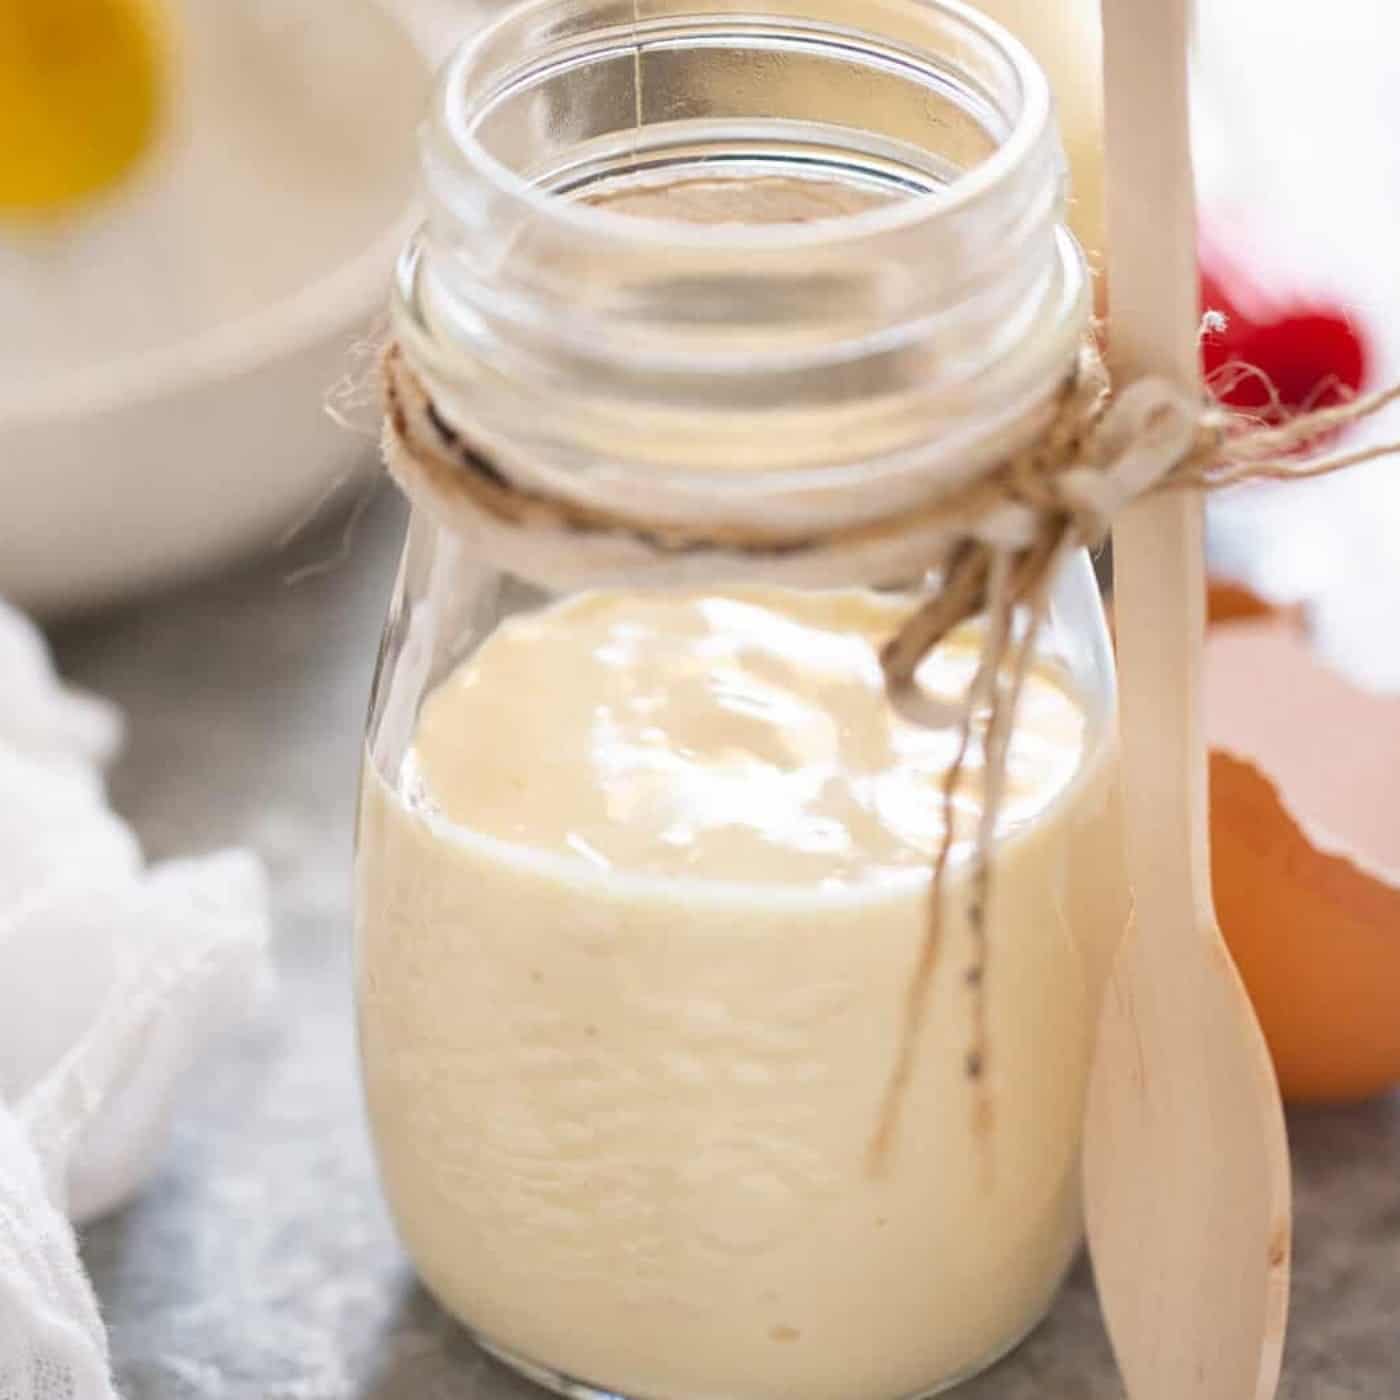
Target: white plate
pixel 165 360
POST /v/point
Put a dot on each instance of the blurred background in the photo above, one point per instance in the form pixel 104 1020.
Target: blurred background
pixel 189 293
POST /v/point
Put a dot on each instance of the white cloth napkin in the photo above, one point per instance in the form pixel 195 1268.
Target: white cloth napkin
pixel 112 975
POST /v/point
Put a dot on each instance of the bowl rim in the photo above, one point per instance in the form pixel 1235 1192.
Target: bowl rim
pixel 284 327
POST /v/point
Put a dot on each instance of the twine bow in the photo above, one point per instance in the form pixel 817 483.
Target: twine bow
pixel 995 542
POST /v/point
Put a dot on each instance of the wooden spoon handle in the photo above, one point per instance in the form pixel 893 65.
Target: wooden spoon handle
pixel 1159 599
pixel 1159 570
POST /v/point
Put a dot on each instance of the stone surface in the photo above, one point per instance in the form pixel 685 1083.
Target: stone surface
pixel 260 1264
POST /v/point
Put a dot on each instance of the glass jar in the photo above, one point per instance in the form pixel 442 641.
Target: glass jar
pixel 643 867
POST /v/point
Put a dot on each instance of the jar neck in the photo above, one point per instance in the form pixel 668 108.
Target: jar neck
pixel 921 326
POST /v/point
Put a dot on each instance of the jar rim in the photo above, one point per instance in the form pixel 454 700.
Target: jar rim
pixel 601 345
pixel 1031 125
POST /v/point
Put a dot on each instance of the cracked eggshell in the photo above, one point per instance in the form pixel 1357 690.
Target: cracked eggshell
pixel 1305 828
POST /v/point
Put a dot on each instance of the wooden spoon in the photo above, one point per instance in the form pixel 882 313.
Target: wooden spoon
pixel 1186 1160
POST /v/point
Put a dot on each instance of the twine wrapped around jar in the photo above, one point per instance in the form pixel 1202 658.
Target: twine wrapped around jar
pixel 994 543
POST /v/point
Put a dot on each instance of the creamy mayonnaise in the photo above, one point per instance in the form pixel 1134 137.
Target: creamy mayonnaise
pixel 637 922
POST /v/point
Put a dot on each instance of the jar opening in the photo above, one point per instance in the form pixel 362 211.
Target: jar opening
pixel 930 104
pixel 919 283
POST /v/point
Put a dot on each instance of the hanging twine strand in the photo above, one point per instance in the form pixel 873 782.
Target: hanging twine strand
pixel 996 543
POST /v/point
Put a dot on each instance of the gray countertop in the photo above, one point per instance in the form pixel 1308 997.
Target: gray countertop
pixel 260 1265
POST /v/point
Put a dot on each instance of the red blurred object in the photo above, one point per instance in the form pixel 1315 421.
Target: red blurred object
pixel 1308 354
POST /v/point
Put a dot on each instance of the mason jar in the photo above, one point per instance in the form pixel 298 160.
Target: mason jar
pixel 645 852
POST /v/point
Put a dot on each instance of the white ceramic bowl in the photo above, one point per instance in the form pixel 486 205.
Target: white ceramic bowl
pixel 162 407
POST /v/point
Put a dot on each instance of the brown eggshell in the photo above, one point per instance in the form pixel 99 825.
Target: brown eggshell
pixel 1228 601
pixel 1305 829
